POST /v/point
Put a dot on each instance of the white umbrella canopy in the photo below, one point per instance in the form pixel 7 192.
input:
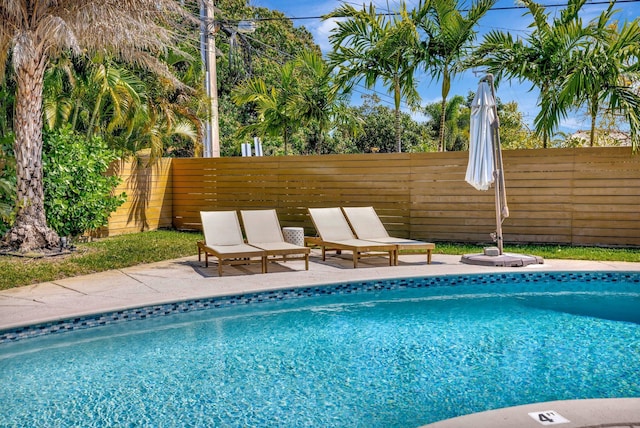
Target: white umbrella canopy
pixel 481 167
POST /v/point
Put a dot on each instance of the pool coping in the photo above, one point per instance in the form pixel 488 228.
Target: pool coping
pixel 592 413
pixel 122 315
pixel 186 279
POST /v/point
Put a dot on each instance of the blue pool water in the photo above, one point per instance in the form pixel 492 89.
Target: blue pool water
pixel 391 358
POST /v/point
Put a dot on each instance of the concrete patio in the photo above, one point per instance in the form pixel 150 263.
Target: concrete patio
pixel 187 278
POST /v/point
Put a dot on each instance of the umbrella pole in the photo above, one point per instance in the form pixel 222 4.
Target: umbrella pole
pixel 497 173
pixel 502 211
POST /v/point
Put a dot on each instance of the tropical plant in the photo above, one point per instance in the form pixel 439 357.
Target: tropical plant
pixel 447 47
pixel 274 105
pixel 7 182
pixel 456 123
pixel 261 54
pixel 304 97
pixel 130 108
pixel 8 87
pixel 35 32
pixel 95 96
pixel 170 122
pixel 373 47
pixel 78 193
pixel 603 74
pixel 60 107
pixel 7 160
pixel 318 103
pixel 541 58
pixel 514 132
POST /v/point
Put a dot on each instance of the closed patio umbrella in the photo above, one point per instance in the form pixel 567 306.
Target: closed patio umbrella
pixel 485 168
pixel 485 155
pixel 481 159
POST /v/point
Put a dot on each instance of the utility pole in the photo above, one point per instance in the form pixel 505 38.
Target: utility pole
pixel 208 46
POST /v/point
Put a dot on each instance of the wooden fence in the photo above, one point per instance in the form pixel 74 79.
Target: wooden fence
pixel 569 196
pixel 149 204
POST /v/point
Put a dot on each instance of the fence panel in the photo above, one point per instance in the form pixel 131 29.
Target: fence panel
pixel 149 204
pixel 585 196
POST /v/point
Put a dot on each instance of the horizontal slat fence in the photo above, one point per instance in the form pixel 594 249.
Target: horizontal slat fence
pixel 582 196
pixel 291 184
pixel 568 196
pixel 149 204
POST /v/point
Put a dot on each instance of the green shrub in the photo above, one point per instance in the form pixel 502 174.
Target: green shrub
pixel 78 195
pixel 7 183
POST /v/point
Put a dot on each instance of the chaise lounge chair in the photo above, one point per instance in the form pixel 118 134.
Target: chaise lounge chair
pixel 263 231
pixel 367 225
pixel 223 240
pixel 335 234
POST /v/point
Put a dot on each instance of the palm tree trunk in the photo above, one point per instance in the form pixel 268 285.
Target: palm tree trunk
pixel 397 98
pixel 398 130
pixel 76 111
pixel 94 116
pixel 594 114
pixel 30 231
pixel 285 138
pixel 443 123
pixel 544 89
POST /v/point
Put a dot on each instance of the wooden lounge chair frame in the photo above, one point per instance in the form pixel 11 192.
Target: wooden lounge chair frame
pixel 223 240
pixel 335 234
pixel 263 231
pixel 366 224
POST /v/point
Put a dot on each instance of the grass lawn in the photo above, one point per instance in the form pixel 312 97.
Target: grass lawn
pixel 147 247
pixel 97 256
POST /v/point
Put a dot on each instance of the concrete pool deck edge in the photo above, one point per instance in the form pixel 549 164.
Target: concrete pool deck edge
pixel 186 279
pixel 595 413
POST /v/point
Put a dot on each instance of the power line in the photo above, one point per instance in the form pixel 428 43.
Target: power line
pixel 389 99
pixel 493 9
pixel 381 96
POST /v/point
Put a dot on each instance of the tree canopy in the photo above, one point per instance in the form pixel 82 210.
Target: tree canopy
pixel 371 47
pixel 35 33
pixel 574 65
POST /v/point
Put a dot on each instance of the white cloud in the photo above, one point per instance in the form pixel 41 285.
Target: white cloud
pixel 575 122
pixel 418 116
pixel 321 32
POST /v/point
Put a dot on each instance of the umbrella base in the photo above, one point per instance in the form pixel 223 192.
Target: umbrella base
pixel 504 260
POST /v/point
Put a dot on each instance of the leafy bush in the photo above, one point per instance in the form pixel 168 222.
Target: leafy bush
pixel 7 183
pixel 78 195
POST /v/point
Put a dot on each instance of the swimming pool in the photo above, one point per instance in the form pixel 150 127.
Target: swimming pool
pixel 399 352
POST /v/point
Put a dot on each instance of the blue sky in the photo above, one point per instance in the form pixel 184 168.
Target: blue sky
pixel 511 21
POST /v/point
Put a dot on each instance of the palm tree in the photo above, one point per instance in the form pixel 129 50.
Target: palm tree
pixel 375 47
pixel 318 102
pixel 456 130
pixel 448 45
pixel 95 97
pixel 130 110
pixel 60 80
pixel 157 126
pixel 273 105
pixel 603 73
pixel 36 32
pixel 541 58
pixel 118 94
